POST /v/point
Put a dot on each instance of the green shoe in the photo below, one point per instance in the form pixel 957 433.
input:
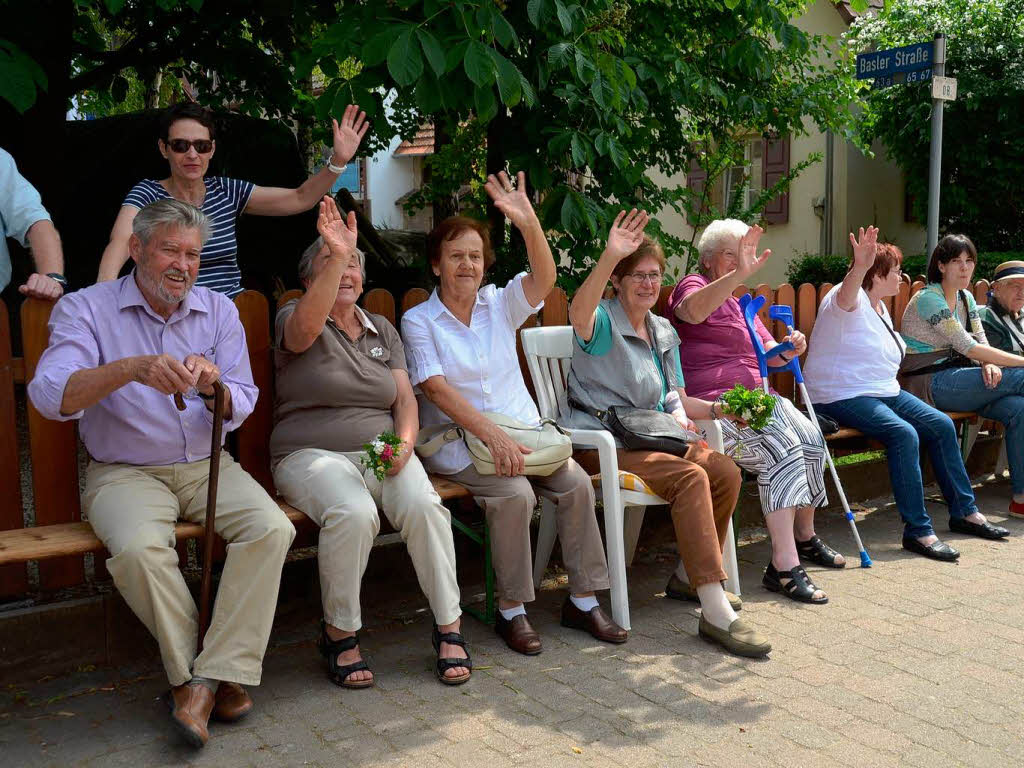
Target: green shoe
pixel 738 638
pixel 678 589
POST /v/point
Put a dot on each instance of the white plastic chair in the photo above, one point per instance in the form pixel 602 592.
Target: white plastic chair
pixel 548 355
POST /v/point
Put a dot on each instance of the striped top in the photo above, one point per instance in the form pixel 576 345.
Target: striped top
pixel 224 201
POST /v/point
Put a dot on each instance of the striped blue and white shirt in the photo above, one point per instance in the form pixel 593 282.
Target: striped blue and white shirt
pixel 224 202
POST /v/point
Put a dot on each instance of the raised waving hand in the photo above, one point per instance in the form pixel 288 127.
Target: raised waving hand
pixel 626 234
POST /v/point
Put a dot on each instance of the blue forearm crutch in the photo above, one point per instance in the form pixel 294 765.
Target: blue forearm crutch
pixel 751 306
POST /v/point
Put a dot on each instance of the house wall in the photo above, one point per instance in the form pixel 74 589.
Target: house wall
pixel 388 178
pixel 865 190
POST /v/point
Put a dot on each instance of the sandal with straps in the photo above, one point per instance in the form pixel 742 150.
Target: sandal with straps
pixel 339 673
pixel 814 550
pixel 794 584
pixel 446 663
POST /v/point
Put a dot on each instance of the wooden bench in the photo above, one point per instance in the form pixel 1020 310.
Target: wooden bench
pixel 59 538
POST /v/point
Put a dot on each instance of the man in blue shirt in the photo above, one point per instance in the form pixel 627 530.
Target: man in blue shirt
pixel 23 218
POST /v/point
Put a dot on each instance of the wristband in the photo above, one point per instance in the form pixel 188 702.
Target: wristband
pixel 335 169
pixel 58 278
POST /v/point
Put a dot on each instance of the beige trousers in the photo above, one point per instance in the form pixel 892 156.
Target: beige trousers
pixel 133 509
pixel 508 503
pixel 335 491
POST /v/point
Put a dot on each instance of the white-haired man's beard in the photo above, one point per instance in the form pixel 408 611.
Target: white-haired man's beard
pixel 156 284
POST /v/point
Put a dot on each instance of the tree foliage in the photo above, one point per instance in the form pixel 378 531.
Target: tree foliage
pixel 983 129
pixel 587 97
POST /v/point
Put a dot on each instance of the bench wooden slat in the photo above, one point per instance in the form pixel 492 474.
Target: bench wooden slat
pixel 54 447
pixel 65 539
pixel 253 436
pixel 846 433
pixel 13 578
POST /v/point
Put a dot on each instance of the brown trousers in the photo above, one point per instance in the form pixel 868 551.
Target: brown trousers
pixel 508 504
pixel 701 489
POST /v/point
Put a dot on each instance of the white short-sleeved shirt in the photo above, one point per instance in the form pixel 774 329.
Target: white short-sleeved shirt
pixel 852 354
pixel 480 360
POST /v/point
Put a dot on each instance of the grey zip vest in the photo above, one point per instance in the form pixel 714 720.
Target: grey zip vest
pixel 626 375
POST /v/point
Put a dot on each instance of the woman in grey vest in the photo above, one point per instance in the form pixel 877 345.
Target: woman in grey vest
pixel 626 355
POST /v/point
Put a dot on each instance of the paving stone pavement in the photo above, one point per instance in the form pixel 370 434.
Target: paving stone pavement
pixel 912 663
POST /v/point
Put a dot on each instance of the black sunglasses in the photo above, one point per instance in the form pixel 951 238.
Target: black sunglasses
pixel 181 146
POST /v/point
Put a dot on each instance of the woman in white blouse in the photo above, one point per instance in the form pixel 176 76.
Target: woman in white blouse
pixel 461 350
pixel 851 376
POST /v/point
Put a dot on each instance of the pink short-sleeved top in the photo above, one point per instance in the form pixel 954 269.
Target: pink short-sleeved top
pixel 716 354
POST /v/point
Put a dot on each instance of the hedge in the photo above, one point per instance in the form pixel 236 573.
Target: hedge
pixel 816 268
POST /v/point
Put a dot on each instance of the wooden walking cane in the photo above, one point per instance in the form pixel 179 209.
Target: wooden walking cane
pixel 209 533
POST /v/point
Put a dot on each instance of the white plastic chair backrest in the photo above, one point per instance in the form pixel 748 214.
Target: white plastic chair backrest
pixel 548 354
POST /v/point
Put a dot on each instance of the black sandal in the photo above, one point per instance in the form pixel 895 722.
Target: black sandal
pixel 814 550
pixel 797 585
pixel 444 664
pixel 339 673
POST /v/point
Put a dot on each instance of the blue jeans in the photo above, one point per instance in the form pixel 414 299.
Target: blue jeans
pixel 962 389
pixel 902 423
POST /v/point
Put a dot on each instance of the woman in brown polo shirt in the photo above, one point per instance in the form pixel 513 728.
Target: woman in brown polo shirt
pixel 341 381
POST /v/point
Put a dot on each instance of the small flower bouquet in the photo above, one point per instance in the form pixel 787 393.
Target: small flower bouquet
pixel 381 453
pixel 753 406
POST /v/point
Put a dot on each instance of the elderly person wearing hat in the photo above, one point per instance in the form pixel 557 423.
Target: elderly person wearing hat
pixel 1003 318
pixel 951 365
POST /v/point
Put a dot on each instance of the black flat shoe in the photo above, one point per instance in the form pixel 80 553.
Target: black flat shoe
pixel 983 530
pixel 814 550
pixel 937 550
pixel 794 584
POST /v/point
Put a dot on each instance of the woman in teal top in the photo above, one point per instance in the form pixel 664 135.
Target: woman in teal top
pixel 950 364
pixel 624 354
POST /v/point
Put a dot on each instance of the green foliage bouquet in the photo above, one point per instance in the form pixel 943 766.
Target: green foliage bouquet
pixel 754 406
pixel 381 454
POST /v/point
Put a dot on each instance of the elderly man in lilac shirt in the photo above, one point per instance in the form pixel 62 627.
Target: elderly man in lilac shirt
pixel 118 351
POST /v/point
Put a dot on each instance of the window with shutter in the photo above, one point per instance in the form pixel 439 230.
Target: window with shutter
pixel 774 167
pixel 696 181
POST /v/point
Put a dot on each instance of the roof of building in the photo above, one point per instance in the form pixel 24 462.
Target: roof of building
pixel 848 14
pixel 420 144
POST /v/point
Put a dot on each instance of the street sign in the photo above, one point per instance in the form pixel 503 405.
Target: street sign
pixel 902 78
pixel 944 88
pixel 907 58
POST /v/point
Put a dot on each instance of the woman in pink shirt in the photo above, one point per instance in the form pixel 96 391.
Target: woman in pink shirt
pixel 788 455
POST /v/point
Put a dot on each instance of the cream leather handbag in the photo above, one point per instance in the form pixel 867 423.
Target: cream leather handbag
pixel 549 444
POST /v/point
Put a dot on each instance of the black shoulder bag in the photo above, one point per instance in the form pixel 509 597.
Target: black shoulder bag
pixel 642 429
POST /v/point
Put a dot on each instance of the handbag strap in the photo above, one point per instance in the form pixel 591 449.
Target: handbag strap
pixel 599 415
pixel 901 347
pixel 430 440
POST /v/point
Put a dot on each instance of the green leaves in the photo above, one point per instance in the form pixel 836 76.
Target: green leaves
pixel 509 80
pixel 20 77
pixel 433 51
pixel 405 61
pixel 478 64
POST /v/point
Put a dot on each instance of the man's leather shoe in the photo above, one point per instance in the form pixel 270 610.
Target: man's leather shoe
pixel 191 705
pixel 984 530
pixel 518 634
pixel 595 621
pixel 231 703
pixel 678 589
pixel 937 550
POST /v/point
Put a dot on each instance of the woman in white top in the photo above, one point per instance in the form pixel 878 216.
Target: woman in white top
pixel 851 376
pixel 461 349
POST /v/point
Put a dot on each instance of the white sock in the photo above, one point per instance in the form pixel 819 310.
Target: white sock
pixel 510 613
pixel 976 517
pixel 681 573
pixel 714 605
pixel 585 604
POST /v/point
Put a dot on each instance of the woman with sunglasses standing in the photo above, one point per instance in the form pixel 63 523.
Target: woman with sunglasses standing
pixel 188 141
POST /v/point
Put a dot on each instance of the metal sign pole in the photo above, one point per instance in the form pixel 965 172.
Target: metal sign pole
pixel 935 158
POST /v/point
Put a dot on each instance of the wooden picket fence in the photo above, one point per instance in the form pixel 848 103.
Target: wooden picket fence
pixel 52 447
